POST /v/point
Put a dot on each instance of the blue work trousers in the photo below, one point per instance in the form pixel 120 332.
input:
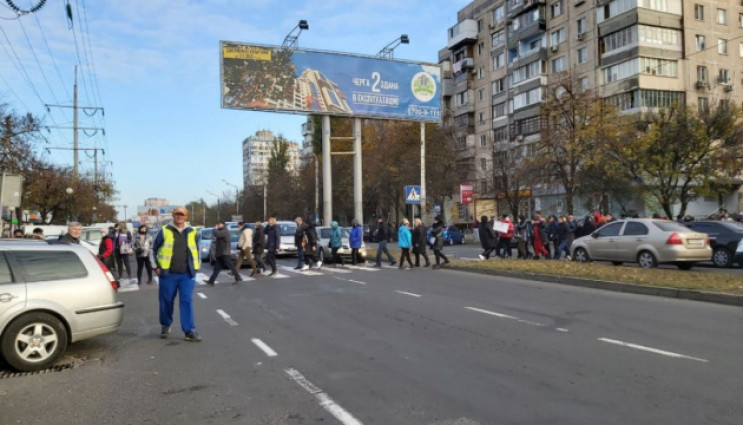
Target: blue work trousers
pixel 182 285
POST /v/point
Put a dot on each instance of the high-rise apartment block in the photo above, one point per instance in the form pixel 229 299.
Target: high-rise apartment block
pixel 639 54
pixel 257 151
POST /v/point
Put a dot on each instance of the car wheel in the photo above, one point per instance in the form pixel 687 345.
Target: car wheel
pixel 647 260
pixel 685 265
pixel 581 255
pixel 34 341
pixel 617 263
pixel 721 257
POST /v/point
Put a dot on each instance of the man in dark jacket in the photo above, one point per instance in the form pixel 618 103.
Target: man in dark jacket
pixel 273 242
pixel 381 236
pixel 299 241
pixel 310 250
pixel 223 252
pixel 420 241
pixel 259 241
pixel 487 238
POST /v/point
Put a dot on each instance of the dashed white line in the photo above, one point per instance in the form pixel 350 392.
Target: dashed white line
pixel 226 317
pixel 409 293
pixel 358 282
pixel 201 295
pixel 561 330
pixel 506 316
pixel 652 350
pixel 323 399
pixel 265 348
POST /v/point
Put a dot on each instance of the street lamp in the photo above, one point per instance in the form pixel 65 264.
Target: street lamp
pixel 290 41
pixel 217 196
pixel 69 203
pixel 388 51
pixel 237 195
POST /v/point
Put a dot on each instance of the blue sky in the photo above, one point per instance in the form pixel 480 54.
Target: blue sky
pixel 154 66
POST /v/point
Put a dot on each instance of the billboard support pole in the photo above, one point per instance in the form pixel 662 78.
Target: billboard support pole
pixel 358 210
pixel 423 171
pixel 327 184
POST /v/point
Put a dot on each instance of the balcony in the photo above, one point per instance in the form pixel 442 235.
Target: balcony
pixel 529 55
pixel 447 87
pixel 462 34
pixel 463 65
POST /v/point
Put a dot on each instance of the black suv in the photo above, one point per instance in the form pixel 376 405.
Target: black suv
pixel 724 237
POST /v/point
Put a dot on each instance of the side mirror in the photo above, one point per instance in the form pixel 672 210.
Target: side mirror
pixel 595 235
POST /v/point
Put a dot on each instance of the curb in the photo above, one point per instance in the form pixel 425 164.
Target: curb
pixel 658 291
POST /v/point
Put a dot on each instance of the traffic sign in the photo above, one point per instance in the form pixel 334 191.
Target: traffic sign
pixel 413 195
pixel 437 209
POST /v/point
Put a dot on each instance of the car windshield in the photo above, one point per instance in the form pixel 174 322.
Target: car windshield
pixel 234 235
pixel 206 234
pixel 287 229
pixel 670 226
pixel 325 233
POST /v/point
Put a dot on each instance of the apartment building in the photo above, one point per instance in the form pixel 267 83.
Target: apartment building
pixel 257 151
pixel 640 54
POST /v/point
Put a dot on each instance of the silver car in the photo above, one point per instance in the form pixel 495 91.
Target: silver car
pixel 287 230
pixel 323 240
pixel 52 294
pixel 646 241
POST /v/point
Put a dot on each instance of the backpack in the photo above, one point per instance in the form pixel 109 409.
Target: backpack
pixel 125 244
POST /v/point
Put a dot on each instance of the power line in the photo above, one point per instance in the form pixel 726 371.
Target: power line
pixel 36 58
pixel 54 62
pixel 19 66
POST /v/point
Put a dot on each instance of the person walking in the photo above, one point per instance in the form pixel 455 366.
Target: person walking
pixel 222 254
pixel 523 234
pixel 300 241
pixel 245 245
pixel 563 238
pixel 420 240
pixel 273 242
pixel 437 231
pixel 123 250
pixel 175 258
pixel 404 242
pixel 487 238
pixel 381 236
pixel 336 242
pixel 142 248
pixel 355 240
pixel 540 236
pixel 504 239
pixel 106 249
pixel 310 254
pixel 259 241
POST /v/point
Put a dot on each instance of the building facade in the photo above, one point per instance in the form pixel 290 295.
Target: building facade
pixel 639 54
pixel 256 153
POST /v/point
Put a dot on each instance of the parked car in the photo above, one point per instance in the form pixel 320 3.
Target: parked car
pixel 205 242
pixel 724 237
pixel 287 229
pixel 323 240
pixel 648 242
pixel 52 294
pixel 452 235
pixel 367 235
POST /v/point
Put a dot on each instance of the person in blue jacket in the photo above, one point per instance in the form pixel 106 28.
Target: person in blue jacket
pixel 404 242
pixel 336 242
pixel 357 235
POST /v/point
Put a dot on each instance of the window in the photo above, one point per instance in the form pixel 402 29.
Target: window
pixel 558 64
pixel 621 71
pixel 703 104
pixel 481 94
pixel 702 75
pixel 5 275
pixel 722 16
pixel 669 6
pixel 499 110
pixel 664 38
pixel 499 14
pixel 581 25
pixel 740 49
pixel 722 46
pixel 483 164
pixel 635 229
pixel 529 125
pixel 499 61
pixel 724 76
pixel 499 39
pixel 480 48
pixel 531 97
pixel 583 84
pixel 699 12
pixel 50 265
pixel 701 43
pixel 617 40
pixel 661 67
pixel 462 98
pixel 481 117
pixel 480 73
pixel 646 99
pixel 582 55
pixel 725 104
pixel 556 8
pixel 479 25
pixel 498 86
pixel 611 229
pixel 526 72
pixel 483 139
pixel 500 134
pixel 558 36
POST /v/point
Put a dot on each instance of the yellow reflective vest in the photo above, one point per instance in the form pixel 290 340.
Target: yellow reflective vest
pixel 165 252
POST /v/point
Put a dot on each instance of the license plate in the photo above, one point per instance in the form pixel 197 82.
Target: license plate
pixel 696 242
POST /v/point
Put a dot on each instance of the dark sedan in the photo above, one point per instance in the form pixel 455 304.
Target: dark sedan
pixel 724 238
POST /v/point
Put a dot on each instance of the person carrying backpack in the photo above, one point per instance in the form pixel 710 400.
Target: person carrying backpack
pixel 106 248
pixel 123 250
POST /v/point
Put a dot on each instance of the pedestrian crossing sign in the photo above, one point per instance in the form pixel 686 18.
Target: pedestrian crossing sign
pixel 413 195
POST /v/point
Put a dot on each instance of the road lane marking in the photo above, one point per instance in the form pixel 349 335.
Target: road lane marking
pixel 306 272
pixel 226 317
pixel 335 270
pixel 201 294
pixel 652 350
pixel 265 348
pixel 506 316
pixel 409 293
pixel 358 282
pixel 561 330
pixel 323 399
pixel 364 268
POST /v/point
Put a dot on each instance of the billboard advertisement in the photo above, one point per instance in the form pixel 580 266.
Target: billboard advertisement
pixel 269 78
pixel 466 194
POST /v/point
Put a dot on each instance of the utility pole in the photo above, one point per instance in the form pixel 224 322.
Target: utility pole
pixel 76 128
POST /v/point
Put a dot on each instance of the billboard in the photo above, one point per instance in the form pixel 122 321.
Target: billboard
pixel 270 78
pixel 466 194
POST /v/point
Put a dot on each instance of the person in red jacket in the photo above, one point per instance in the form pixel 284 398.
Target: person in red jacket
pixel 106 249
pixel 504 241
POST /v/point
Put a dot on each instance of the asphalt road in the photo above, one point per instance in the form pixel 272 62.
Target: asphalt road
pixel 400 347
